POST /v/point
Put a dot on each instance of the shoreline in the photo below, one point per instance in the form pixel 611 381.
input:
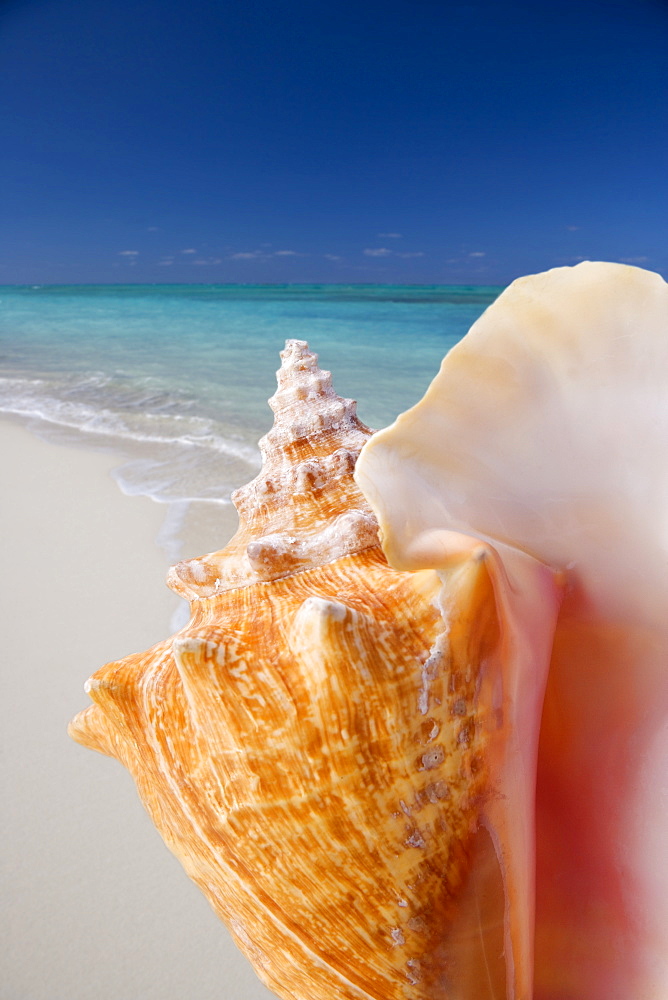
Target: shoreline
pixel 186 528
pixel 99 907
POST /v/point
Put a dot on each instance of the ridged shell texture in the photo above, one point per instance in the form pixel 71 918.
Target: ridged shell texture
pixel 313 745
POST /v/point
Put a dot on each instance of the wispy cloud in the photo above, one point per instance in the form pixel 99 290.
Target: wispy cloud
pixel 153 229
pixel 264 254
pixel 332 256
pixel 572 229
pixel 166 263
pixel 377 252
pixel 477 253
pixel 128 253
pixel 207 261
pixel 389 236
pixel 633 260
pixel 189 250
pixel 386 252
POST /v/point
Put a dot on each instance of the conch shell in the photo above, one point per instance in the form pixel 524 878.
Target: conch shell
pixel 445 778
pixel 341 754
pixel 546 434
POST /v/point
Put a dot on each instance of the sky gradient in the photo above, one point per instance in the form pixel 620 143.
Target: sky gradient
pixel 403 141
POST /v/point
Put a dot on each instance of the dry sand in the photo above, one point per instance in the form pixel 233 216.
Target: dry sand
pixel 94 905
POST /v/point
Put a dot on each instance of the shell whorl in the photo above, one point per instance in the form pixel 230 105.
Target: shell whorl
pixel 324 744
pixel 303 509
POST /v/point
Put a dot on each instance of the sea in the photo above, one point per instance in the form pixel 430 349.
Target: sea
pixel 174 379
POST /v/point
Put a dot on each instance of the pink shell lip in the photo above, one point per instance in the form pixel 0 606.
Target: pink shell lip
pixel 547 429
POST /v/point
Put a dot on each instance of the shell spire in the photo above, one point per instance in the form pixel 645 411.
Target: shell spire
pixel 304 508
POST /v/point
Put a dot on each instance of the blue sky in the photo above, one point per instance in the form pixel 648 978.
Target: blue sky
pixel 403 141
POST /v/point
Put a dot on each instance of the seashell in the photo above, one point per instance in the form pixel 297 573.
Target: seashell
pixel 342 754
pixel 545 435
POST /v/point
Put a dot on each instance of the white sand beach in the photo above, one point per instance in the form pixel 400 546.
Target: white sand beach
pixel 95 906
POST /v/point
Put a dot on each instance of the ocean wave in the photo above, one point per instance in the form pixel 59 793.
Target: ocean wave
pixel 168 454
pixel 34 399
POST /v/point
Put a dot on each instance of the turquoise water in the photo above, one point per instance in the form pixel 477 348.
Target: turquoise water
pixel 176 377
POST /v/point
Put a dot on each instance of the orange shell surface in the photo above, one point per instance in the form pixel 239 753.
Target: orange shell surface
pixel 328 745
